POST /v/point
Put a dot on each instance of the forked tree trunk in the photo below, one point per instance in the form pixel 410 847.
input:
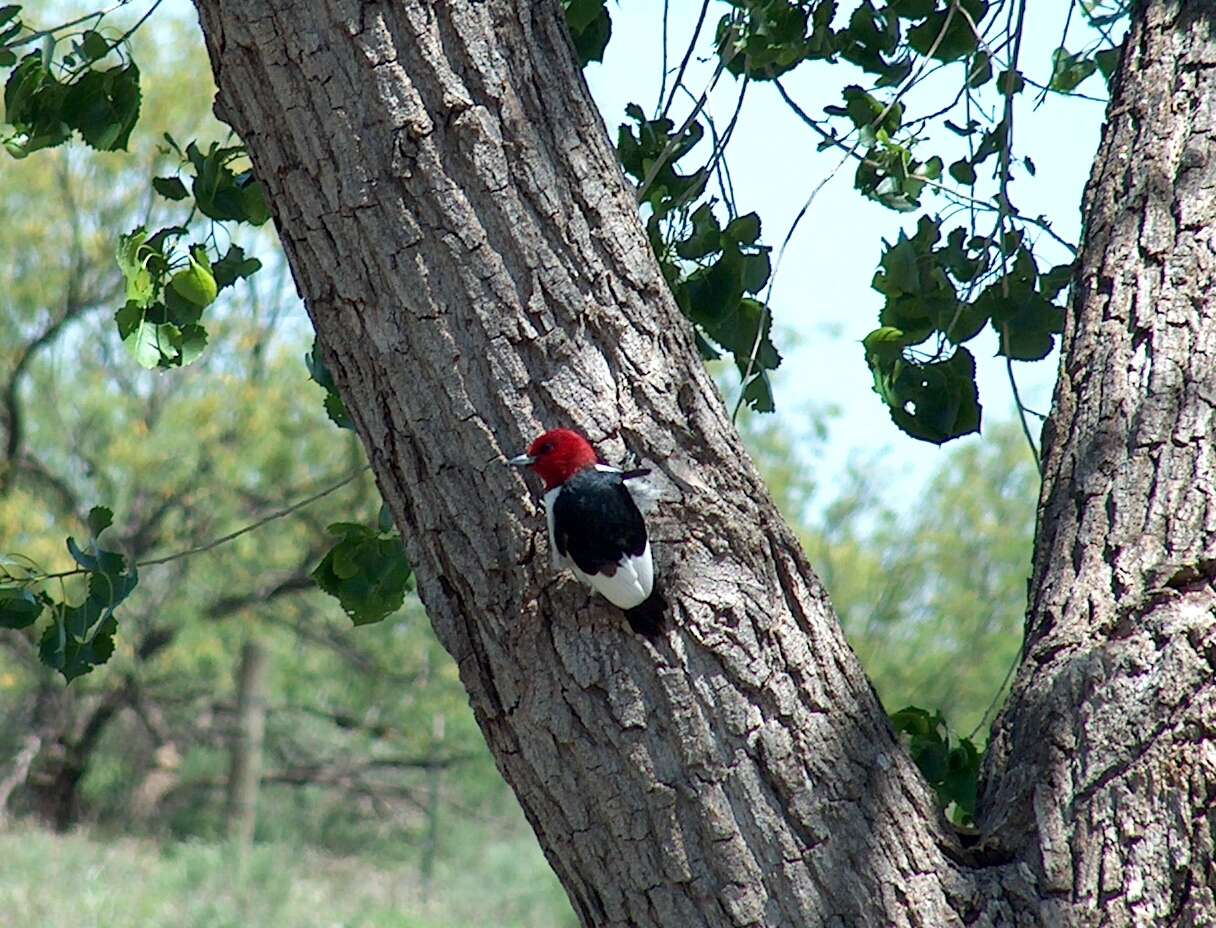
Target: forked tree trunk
pixel 474 266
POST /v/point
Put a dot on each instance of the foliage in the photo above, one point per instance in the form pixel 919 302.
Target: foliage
pixel 950 764
pixel 937 296
pixel 169 284
pixel 930 583
pixel 172 276
pixel 366 571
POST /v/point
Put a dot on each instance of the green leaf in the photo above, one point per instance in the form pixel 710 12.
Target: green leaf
pixel 756 271
pixel 1107 60
pixel 705 238
pixel 132 261
pixel 1068 71
pixel 100 518
pixel 947 34
pixel 92 46
pixel 979 72
pixel 743 230
pixel 139 335
pixel 171 188
pixel 963 172
pixel 253 199
pixel 366 571
pixel 103 106
pixel 1010 82
pixel 191 342
pixel 195 283
pixel 933 401
pixel 82 558
pixel 234 266
pixel 113 580
pixel 33 105
pixel 334 407
pixel 590 28
pixel 78 639
pixel 19 608
pixel 9 11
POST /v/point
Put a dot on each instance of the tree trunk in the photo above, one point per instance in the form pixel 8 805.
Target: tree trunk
pixel 1103 773
pixel 245 770
pixel 17 775
pixel 473 263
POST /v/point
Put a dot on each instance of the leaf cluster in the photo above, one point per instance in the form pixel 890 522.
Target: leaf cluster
pixel 366 570
pixel 80 632
pixel 949 763
pixel 947 292
pixel 716 273
pixel 169 284
pixel 47 97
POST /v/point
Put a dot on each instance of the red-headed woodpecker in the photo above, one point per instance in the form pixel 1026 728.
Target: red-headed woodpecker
pixel 596 529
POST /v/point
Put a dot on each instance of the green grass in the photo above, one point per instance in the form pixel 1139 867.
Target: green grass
pixel 88 880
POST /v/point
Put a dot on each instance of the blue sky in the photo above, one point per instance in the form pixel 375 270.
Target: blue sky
pixel 822 296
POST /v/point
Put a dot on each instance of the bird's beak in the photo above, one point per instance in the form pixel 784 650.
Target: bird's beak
pixel 521 460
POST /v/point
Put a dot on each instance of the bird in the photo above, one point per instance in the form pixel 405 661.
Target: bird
pixel 596 527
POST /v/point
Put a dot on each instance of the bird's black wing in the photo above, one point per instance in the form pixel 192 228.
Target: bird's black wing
pixel 596 522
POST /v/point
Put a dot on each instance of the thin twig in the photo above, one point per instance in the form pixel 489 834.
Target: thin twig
pixel 696 34
pixel 224 539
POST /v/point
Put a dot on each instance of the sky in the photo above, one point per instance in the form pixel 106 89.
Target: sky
pixel 822 301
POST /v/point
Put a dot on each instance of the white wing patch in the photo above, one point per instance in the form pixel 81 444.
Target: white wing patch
pixel 634 577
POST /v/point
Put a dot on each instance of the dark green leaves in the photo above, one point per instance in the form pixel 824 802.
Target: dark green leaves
pixel 334 407
pixel 950 764
pixel 1068 71
pixel 102 105
pixel 948 33
pixel 932 400
pixel 234 266
pixel 928 287
pixel 590 28
pixel 19 608
pixel 716 297
pixel 171 188
pixel 764 39
pixel 715 272
pixel 80 634
pixel 366 571
pixel 649 154
pixel 99 519
pixel 33 103
pixel 221 192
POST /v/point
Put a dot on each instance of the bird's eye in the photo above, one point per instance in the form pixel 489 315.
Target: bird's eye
pixel 546 448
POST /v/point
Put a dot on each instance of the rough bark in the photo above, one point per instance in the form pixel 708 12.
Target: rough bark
pixel 1103 773
pixel 475 269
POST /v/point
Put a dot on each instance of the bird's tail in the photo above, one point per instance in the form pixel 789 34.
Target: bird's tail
pixel 647 618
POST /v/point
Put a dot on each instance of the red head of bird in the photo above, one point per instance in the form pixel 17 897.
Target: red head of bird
pixel 558 455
